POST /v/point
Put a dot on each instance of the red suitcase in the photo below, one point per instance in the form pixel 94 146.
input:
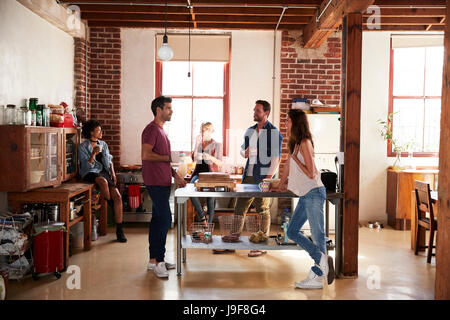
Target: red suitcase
pixel 48 249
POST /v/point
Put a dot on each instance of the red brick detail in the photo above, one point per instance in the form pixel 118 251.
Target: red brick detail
pixel 81 52
pixel 312 78
pixel 105 86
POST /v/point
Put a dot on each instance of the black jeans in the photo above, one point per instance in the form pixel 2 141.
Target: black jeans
pixel 160 223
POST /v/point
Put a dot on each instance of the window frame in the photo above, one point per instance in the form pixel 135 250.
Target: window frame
pixel 226 100
pixel 390 152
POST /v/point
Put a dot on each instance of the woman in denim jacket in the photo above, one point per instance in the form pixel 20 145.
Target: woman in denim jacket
pixel 96 167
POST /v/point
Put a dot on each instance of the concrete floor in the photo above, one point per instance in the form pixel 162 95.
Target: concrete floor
pixel 113 270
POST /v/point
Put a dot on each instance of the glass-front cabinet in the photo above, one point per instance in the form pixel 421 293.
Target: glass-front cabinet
pixel 30 157
pixel 71 140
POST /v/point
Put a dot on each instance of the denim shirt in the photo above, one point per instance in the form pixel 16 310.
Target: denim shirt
pixel 268 144
pixel 84 153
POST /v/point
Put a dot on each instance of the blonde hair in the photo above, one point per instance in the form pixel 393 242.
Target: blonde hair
pixel 206 126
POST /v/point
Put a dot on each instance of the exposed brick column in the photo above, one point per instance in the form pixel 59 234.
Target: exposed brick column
pixel 307 73
pixel 105 85
pixel 80 82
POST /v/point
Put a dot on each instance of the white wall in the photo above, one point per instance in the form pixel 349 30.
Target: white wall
pixel 138 90
pixel 374 106
pixel 36 60
pixel 251 71
pixel 250 79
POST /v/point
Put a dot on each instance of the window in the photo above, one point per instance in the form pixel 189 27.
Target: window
pixel 201 98
pixel 415 98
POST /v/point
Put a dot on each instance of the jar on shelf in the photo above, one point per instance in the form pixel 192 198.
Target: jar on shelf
pixel 23 116
pixel 10 114
pixel 33 117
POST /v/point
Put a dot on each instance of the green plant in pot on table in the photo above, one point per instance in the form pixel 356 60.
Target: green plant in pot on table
pixel 387 134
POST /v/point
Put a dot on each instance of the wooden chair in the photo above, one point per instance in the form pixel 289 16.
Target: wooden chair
pixel 422 221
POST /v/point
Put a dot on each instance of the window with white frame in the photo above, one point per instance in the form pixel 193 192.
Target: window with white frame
pixel 415 98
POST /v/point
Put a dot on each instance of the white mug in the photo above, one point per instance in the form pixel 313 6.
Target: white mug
pixel 101 147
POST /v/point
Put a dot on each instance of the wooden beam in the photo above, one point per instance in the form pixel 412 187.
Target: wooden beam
pixel 352 135
pixel 331 17
pixel 207 2
pixel 403 3
pixel 442 285
pixel 198 11
pixel 406 28
pixel 184 25
pixel 57 15
pixel 409 12
pixel 184 18
pixel 412 21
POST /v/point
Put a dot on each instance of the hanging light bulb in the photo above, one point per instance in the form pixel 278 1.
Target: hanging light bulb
pixel 165 52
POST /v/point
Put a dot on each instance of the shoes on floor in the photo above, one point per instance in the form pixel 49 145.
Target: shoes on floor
pixel 121 236
pixel 161 270
pixel 326 265
pixel 312 281
pixel 220 251
pixel 256 253
pixel 169 266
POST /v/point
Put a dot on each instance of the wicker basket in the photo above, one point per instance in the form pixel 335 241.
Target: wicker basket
pixel 201 233
pixel 253 223
pixel 230 224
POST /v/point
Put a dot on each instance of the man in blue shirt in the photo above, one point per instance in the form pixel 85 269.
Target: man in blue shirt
pixel 262 149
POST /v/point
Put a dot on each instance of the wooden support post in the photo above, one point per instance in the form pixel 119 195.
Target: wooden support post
pixel 442 288
pixel 350 230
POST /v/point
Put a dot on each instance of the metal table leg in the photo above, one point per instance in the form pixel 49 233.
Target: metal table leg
pixel 179 211
pixel 184 227
pixel 338 235
pixel 327 218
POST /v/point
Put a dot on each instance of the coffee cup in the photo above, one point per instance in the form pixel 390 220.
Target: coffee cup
pixel 264 186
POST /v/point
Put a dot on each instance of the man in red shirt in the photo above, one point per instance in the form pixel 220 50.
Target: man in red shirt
pixel 157 173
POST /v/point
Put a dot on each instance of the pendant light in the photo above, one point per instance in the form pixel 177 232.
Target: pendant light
pixel 189 50
pixel 165 52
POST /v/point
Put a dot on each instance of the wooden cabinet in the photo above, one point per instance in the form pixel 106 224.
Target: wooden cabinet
pixel 35 157
pixel 71 140
pixel 400 184
pixel 30 157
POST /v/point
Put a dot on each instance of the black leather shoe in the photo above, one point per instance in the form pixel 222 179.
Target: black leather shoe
pixel 120 236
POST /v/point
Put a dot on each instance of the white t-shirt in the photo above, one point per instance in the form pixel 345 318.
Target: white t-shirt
pixel 299 183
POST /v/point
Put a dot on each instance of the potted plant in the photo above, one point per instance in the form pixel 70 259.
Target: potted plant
pixel 387 134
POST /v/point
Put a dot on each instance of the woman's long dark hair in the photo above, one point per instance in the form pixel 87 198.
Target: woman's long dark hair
pixel 300 128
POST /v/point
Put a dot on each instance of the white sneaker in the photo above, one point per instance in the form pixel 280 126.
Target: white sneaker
pixel 161 271
pixel 169 266
pixel 326 265
pixel 312 281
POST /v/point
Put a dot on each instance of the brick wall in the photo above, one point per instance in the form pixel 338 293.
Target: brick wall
pixel 105 84
pixel 307 73
pixel 80 81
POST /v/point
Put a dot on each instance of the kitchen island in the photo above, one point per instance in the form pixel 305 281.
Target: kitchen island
pixel 242 191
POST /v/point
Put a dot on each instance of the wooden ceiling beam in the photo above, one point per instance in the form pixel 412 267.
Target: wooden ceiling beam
pixel 406 28
pixel 402 3
pixel 199 18
pixel 198 11
pixel 404 12
pixel 209 2
pixel 331 17
pixel 200 25
pixel 408 21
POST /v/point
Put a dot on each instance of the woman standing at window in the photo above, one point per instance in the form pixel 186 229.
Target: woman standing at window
pixel 208 157
pixel 302 178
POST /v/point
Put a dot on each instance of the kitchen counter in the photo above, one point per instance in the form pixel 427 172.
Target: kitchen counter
pixel 242 191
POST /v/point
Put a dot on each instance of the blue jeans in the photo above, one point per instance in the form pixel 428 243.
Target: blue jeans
pixel 160 223
pixel 210 203
pixel 310 207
